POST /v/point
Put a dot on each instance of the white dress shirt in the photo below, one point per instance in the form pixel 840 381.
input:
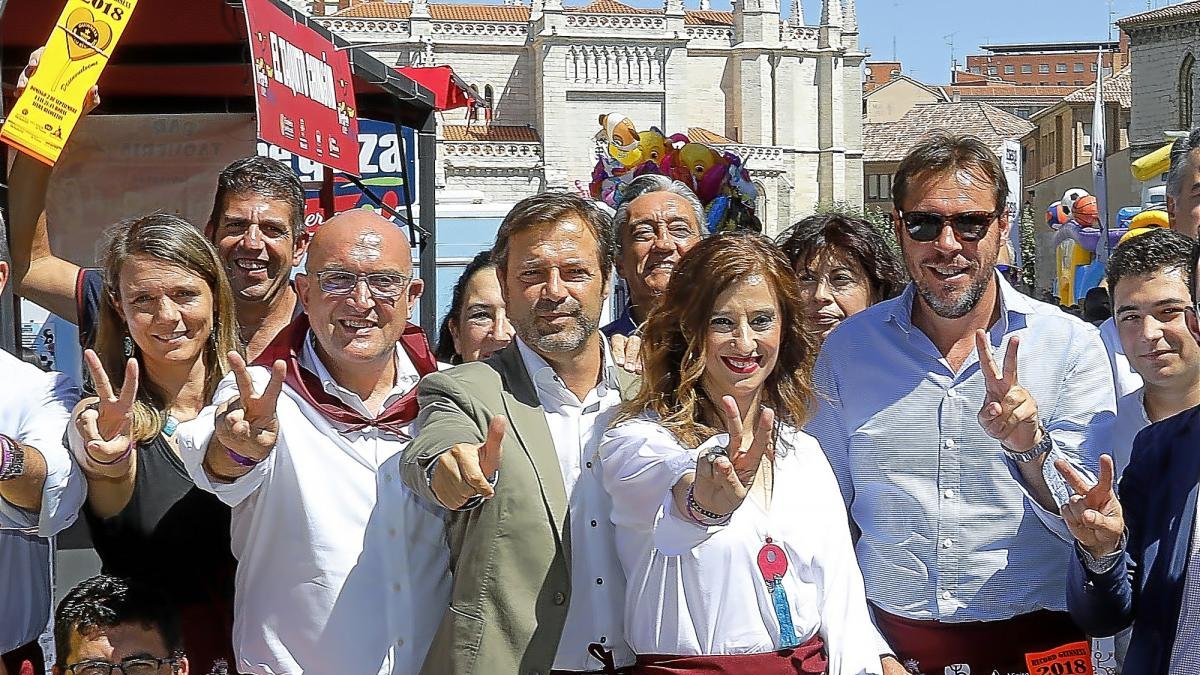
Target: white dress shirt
pixel 34 410
pixel 1131 419
pixel 698 590
pixel 597 583
pixel 1125 379
pixel 313 588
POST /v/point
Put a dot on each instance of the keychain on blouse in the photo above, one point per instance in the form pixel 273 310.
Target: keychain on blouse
pixel 773 563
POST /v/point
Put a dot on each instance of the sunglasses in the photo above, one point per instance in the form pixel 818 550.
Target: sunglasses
pixel 383 285
pixel 967 226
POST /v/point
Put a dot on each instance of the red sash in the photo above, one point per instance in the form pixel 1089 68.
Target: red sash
pixel 808 658
pixel 289 344
pixel 983 646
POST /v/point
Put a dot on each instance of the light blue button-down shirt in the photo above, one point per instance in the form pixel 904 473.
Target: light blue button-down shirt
pixel 949 529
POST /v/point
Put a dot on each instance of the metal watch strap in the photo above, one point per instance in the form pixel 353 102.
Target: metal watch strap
pixel 1043 446
pixel 13 463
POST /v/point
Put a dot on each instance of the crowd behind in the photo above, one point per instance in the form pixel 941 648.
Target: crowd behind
pixel 808 455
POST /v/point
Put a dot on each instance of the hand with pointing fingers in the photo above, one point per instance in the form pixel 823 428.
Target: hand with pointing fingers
pixel 105 425
pixel 1009 413
pixel 1093 515
pixel 723 481
pixel 462 472
pixel 247 424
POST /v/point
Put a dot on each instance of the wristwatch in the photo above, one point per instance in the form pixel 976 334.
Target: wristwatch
pixel 1044 446
pixel 12 458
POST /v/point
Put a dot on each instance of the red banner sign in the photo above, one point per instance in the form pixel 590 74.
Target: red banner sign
pixel 303 89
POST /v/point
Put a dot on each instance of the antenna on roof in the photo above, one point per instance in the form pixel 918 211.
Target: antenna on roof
pixel 950 41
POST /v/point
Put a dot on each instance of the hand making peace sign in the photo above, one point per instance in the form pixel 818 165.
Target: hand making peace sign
pixel 1093 515
pixel 105 424
pixel 1009 413
pixel 723 481
pixel 248 424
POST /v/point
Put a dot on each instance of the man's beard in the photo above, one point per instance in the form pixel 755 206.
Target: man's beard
pixel 956 308
pixel 568 339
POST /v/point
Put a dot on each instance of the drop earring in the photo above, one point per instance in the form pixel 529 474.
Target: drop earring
pixel 127 346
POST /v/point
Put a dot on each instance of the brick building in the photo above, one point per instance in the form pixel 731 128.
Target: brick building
pixel 1059 64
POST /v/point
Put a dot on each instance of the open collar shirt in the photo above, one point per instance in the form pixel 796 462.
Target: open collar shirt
pixel 949 529
pixel 315 580
pixel 595 615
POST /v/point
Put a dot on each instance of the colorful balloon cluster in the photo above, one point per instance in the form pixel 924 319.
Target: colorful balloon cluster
pixel 719 179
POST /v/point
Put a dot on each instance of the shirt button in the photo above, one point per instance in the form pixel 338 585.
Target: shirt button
pixel 593 523
pixel 951 393
pixel 392 532
pixel 396 587
pixel 400 642
pixel 948 494
pixel 946 595
pixel 599 581
pixel 946 543
pixel 560 598
pixel 387 477
pixel 589 465
pixel 949 443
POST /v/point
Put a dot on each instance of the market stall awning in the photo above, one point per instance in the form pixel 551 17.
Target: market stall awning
pixel 449 91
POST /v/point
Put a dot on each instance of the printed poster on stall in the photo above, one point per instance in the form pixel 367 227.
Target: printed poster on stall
pixel 79 47
pixel 303 89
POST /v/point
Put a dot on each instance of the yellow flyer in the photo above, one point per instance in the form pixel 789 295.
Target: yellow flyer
pixel 82 42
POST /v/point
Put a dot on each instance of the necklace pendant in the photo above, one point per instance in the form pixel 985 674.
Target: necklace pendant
pixel 170 426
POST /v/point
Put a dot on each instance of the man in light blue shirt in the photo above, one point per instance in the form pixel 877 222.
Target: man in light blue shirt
pixel 943 432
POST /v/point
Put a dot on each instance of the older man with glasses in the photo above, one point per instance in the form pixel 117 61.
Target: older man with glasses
pixel 944 443
pixel 296 443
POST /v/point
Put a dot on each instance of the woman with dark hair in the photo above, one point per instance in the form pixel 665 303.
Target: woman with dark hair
pixel 166 327
pixel 730 525
pixel 843 265
pixel 475 327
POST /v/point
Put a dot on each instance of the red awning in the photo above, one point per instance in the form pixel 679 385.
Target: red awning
pixel 448 89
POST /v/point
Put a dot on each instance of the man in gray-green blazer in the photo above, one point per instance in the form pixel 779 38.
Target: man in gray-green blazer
pixel 510 447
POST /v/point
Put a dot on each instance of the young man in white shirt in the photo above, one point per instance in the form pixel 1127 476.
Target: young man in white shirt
pixel 510 447
pixel 300 470
pixel 1150 276
pixel 41 491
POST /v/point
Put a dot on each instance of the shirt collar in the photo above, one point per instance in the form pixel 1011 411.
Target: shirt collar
pixel 542 373
pixel 1011 300
pixel 406 375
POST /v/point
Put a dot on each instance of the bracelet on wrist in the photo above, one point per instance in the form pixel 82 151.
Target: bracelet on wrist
pixel 701 515
pixel 12 458
pixel 124 456
pixel 241 460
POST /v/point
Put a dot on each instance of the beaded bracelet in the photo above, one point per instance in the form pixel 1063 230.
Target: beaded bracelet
pixel 702 516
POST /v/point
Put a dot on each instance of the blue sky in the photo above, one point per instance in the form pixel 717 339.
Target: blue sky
pixel 920 26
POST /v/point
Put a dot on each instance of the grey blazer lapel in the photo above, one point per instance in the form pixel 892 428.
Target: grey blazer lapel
pixel 527 420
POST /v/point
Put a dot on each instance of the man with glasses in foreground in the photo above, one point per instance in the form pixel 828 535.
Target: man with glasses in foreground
pixel 110 626
pixel 944 441
pixel 295 445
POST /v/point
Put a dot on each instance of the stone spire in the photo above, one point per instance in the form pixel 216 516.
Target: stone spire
pixel 831 13
pixel 705 5
pixel 849 18
pixel 673 7
pixel 796 15
pixel 420 9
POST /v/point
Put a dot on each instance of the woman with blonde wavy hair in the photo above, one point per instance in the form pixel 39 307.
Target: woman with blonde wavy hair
pixel 730 525
pixel 166 327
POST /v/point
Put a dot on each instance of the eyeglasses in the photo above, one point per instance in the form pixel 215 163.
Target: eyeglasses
pixel 967 226
pixel 144 666
pixel 381 284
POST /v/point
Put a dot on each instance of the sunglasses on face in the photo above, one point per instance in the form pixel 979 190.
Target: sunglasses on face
pixel 968 226
pixel 383 285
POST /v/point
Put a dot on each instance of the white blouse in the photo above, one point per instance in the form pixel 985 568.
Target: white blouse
pixel 698 590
